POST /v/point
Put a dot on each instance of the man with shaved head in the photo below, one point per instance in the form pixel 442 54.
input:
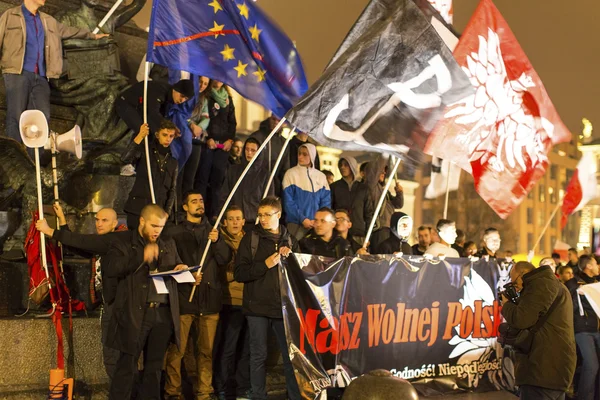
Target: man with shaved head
pixel 92 247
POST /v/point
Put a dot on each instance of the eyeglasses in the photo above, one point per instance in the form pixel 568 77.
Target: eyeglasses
pixel 267 215
pixel 342 219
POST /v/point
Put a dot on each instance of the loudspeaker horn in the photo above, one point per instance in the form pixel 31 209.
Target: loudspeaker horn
pixel 33 127
pixel 69 142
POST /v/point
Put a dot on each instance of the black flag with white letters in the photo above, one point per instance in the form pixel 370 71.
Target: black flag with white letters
pixel 387 85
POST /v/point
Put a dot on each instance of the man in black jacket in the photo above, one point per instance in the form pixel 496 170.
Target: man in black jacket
pixel 191 237
pixel 272 151
pixel 252 188
pixel 323 240
pixel 585 321
pixel 258 254
pixel 547 370
pixel 401 227
pixel 351 194
pixel 144 317
pixel 343 225
pixel 164 170
pixel 93 247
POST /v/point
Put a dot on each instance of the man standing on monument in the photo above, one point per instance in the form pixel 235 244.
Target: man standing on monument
pixel 30 54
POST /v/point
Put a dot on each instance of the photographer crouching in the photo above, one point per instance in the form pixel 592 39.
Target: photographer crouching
pixel 539 326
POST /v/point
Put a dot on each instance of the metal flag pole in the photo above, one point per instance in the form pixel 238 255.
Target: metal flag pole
pixel 146 68
pixel 380 203
pixel 107 16
pixel 237 184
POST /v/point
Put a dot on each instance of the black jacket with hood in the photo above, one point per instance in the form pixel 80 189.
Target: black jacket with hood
pixel 374 169
pixel 251 189
pixel 588 322
pixel 191 240
pixel 354 198
pixel 262 296
pixel 337 247
pixel 164 177
pixel 395 243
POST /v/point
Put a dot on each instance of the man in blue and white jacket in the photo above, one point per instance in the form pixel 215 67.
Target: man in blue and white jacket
pixel 305 190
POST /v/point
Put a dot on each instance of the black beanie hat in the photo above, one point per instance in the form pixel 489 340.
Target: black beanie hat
pixel 185 87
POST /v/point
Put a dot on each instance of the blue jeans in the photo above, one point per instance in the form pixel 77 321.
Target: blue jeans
pixel 259 330
pixel 26 91
pixel 588 344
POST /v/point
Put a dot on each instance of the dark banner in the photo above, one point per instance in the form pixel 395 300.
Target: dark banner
pixel 433 323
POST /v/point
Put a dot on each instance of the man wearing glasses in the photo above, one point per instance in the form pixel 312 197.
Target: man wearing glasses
pixel 258 255
pixel 491 241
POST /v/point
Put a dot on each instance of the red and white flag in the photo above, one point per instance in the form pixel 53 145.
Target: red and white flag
pixel 503 133
pixel 444 7
pixel 582 188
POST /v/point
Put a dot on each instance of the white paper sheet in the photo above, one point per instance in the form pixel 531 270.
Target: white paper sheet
pixel 160 286
pixel 184 277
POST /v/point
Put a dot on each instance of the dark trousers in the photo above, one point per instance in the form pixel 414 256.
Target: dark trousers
pixel 25 91
pixel 110 356
pixel 259 330
pixel 191 168
pixel 155 336
pixel 588 344
pixel 213 168
pixel 233 345
pixel 529 392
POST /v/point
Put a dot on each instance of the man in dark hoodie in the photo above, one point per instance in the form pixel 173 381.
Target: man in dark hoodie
pixel 351 194
pixel 258 256
pixel 272 151
pixel 547 370
pixel 251 189
pixel 585 321
pixel 191 237
pixel 401 226
pixel 323 240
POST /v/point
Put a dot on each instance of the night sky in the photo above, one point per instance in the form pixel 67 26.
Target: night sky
pixel 561 39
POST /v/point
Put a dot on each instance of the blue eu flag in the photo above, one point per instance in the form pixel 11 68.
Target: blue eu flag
pixel 231 41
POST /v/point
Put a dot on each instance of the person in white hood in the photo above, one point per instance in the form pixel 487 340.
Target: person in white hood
pixel 305 190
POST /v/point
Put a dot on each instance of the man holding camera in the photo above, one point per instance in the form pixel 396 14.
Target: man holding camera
pixel 546 370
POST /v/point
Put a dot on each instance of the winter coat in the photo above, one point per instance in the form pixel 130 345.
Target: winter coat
pixel 354 198
pixel 251 189
pixel 191 240
pixel 262 295
pixel 337 247
pixel 125 261
pixel 551 362
pixel 222 121
pixel 233 293
pixel 588 322
pixel 393 245
pixel 375 189
pixel 164 179
pixel 305 190
pixel 272 151
pixel 159 96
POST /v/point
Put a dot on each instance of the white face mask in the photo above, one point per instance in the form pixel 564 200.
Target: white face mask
pixel 492 242
pixel 448 234
pixel 404 227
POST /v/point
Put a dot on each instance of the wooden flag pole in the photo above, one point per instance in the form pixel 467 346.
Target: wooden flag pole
pixel 237 184
pixel 146 68
pixel 539 239
pixel 447 189
pixel 107 16
pixel 380 203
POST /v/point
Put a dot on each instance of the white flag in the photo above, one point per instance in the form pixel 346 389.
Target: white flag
pixel 444 176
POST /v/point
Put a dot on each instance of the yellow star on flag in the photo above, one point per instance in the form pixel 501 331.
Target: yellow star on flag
pixel 228 53
pixel 216 5
pixel 217 28
pixel 260 74
pixel 243 10
pixel 241 69
pixel 254 31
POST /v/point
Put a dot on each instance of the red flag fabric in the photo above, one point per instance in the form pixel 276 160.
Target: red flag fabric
pixel 581 188
pixel 503 133
pixel 444 7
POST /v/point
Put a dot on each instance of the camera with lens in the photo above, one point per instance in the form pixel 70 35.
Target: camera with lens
pixel 510 292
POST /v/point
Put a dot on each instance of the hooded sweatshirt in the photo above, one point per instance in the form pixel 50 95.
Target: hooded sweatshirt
pixel 395 242
pixel 305 190
pixel 252 187
pixel 373 171
pixel 353 198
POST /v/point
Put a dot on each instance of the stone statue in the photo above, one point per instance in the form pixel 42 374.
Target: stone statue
pixel 92 80
pixel 380 384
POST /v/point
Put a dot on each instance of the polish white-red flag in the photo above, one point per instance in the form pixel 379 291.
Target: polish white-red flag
pixel 503 133
pixel 581 189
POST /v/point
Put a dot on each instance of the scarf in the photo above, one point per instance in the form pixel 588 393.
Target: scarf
pixel 233 241
pixel 221 96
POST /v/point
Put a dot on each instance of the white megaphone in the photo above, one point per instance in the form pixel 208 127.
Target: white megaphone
pixel 33 127
pixel 69 142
